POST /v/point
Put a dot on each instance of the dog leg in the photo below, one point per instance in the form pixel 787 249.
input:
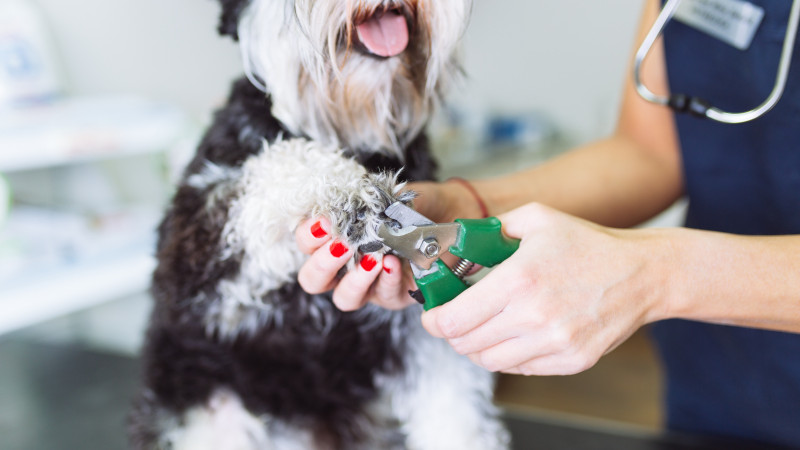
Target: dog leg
pixel 292 180
pixel 266 199
pixel 445 401
pixel 222 423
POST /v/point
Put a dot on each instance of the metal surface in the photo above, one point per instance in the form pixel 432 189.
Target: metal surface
pixel 406 216
pixel 711 112
pixel 417 238
pixel 462 267
pixel 430 248
pixel 409 242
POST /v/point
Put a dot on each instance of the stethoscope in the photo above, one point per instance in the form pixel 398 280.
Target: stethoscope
pixel 697 106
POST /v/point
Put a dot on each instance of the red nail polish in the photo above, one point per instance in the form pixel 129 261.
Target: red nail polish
pixel 368 263
pixel 338 249
pixel 387 270
pixel 317 231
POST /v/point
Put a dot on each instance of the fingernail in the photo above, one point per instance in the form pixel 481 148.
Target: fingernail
pixel 338 249
pixel 387 270
pixel 317 231
pixel 368 263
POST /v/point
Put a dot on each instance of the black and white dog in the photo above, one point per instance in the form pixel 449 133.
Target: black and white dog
pixel 238 356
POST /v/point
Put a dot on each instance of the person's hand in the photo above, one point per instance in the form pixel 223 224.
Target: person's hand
pixel 383 280
pixel 377 278
pixel 570 294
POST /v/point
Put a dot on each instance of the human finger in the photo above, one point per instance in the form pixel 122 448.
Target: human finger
pixel 312 234
pixel 513 371
pixel 506 355
pixel 350 293
pixel 527 219
pixel 391 289
pixel 318 274
pixel 473 307
pixel 556 364
pixel 492 332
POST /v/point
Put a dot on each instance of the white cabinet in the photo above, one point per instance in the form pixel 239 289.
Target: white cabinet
pixel 83 246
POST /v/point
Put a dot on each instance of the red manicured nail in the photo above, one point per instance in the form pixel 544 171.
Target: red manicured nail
pixel 317 231
pixel 338 249
pixel 387 270
pixel 368 263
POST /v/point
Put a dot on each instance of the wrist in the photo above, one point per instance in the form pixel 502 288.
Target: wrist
pixel 478 201
pixel 466 202
pixel 660 271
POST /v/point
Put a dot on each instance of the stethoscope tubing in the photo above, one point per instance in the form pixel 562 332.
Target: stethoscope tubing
pixel 697 106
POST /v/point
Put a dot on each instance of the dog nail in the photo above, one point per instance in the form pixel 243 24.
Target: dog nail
pixel 417 295
pixel 317 231
pixel 370 247
pixel 368 263
pixel 338 249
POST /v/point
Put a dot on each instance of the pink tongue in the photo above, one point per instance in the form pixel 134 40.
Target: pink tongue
pixel 384 36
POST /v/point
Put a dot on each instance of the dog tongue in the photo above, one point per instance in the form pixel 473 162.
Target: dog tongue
pixel 385 35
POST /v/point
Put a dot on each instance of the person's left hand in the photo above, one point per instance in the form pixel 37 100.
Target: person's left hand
pixel 379 278
pixel 382 280
pixel 570 294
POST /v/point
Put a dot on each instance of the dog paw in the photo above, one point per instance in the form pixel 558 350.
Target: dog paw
pixel 363 212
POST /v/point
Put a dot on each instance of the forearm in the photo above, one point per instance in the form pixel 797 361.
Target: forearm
pixel 728 279
pixel 620 181
pixel 612 182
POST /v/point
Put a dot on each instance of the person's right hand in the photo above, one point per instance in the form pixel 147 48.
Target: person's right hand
pixel 572 293
pixel 383 280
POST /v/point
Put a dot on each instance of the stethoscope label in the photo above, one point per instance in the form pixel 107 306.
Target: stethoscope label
pixel 732 21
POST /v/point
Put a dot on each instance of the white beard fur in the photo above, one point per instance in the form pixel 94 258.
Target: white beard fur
pixel 337 96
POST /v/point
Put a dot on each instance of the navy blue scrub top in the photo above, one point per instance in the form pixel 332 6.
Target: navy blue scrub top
pixel 742 179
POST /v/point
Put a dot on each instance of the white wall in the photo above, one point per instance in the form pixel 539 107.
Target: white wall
pixel 166 49
pixel 565 57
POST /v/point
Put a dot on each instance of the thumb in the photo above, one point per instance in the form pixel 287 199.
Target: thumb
pixel 522 221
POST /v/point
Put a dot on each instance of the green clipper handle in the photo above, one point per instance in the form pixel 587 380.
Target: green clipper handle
pixel 479 240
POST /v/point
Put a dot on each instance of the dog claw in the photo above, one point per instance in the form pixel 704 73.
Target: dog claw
pixel 417 295
pixel 370 247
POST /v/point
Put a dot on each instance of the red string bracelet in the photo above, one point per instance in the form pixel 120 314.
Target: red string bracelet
pixel 471 189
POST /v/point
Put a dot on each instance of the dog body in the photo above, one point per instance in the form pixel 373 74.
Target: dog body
pixel 238 356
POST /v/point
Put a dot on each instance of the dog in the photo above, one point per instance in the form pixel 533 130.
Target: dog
pixel 329 120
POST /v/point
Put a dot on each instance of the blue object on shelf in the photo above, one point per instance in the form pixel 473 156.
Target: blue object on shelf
pixel 28 70
pixel 518 129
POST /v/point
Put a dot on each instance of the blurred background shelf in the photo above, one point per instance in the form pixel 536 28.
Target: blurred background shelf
pixel 65 289
pixel 88 178
pixel 82 129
